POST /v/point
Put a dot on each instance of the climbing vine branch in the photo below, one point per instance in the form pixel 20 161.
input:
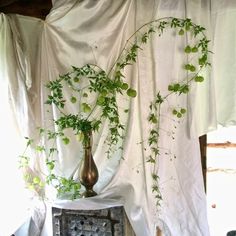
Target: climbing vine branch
pixel 94 92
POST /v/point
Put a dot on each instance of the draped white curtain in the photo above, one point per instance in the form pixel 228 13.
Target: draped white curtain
pixel 17 116
pixel 79 32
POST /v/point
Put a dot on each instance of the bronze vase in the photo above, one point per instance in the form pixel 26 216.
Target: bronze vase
pixel 88 170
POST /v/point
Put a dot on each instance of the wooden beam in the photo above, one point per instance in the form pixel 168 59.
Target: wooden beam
pixel 4 3
pixel 203 149
pixel 34 8
pixel 222 145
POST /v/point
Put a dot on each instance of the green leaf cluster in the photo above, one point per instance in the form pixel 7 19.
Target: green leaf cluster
pixel 35 183
pixel 65 186
pixel 56 96
pixel 179 88
pixel 179 113
pixel 93 88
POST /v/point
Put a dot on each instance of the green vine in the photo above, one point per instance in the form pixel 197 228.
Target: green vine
pixel 95 91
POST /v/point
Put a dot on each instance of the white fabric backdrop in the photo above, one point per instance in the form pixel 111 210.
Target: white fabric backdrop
pixel 80 32
pixel 88 32
pixel 223 16
pixel 18 59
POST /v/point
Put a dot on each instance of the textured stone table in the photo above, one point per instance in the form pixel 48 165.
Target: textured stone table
pixel 105 222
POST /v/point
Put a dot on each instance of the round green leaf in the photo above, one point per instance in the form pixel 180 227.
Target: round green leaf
pixel 131 93
pixel 181 32
pixel 154 120
pixel 41 184
pixel 179 115
pixel 124 86
pixel 85 107
pixel 187 27
pixel 50 166
pixel 199 79
pixel 100 100
pixel 192 68
pixel 76 79
pixel 104 93
pixel 63 181
pixel 66 140
pixel 31 187
pixel 187 67
pixel 194 49
pixel 73 99
pixel 188 49
pixel 174 112
pixel 36 180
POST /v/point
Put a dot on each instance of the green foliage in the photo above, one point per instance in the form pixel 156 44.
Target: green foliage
pixel 179 113
pixel 131 93
pixel 90 82
pixel 200 50
pixel 65 186
pixel 199 79
pixel 179 88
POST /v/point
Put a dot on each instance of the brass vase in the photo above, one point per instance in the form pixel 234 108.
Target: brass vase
pixel 88 170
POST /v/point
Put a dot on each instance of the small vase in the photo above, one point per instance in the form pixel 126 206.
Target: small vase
pixel 88 169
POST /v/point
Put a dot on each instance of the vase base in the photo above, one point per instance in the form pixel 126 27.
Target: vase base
pixel 88 193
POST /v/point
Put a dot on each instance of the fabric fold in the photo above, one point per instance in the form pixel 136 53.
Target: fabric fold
pixel 80 32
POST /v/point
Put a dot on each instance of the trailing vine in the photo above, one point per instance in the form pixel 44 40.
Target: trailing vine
pixel 95 90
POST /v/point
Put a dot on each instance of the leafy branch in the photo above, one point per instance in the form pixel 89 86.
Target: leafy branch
pixel 94 89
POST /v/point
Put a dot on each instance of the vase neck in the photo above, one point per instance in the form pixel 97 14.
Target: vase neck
pixel 87 140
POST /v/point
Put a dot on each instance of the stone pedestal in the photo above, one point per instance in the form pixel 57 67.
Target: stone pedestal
pixel 105 222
